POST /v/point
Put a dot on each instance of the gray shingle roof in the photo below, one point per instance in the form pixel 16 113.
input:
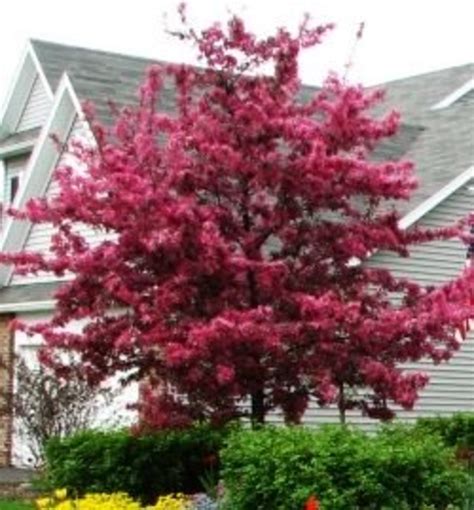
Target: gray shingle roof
pixel 444 147
pixel 101 77
pixel 441 142
pixel 398 145
pixel 97 76
pixel 414 96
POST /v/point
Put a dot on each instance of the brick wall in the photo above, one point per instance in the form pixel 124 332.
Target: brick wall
pixel 6 385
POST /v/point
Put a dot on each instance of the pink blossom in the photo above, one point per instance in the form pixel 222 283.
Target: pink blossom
pixel 235 222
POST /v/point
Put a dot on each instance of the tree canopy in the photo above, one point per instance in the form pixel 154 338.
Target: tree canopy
pixel 233 280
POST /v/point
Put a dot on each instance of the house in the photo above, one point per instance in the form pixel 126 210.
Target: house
pixel 45 98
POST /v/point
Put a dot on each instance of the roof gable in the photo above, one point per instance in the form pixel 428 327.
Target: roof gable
pixel 45 156
pixel 28 81
pixel 36 107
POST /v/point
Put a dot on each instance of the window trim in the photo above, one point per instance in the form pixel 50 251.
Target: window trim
pixel 17 149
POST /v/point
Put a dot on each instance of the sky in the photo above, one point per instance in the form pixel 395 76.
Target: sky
pixel 401 38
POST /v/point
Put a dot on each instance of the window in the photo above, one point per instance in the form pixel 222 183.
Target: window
pixel 12 177
pixel 14 185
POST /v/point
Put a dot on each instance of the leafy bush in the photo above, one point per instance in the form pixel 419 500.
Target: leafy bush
pixel 143 466
pixel 456 430
pixel 400 468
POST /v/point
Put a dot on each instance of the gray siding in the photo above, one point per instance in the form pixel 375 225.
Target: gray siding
pixel 451 387
pixel 39 237
pixel 36 108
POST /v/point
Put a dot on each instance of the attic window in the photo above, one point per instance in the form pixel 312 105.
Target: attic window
pixel 14 185
pixel 14 168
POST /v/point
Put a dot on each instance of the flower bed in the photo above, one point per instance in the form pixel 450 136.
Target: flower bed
pixel 121 501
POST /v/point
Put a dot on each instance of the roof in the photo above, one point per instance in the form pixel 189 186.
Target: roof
pixel 442 140
pixel 101 76
pixel 416 95
pixel 97 76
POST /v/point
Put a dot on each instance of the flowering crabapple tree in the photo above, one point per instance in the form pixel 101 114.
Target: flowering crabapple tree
pixel 238 225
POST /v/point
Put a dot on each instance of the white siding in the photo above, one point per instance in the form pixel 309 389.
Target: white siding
pixel 39 237
pixel 36 108
pixel 115 412
pixel 451 387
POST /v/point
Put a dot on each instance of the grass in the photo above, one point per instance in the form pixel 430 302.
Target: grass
pixel 9 504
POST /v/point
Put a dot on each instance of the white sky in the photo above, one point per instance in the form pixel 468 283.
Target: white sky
pixel 402 37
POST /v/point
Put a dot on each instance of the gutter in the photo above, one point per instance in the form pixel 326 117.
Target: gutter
pixel 31 306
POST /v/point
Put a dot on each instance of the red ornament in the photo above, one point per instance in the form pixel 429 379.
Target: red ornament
pixel 312 503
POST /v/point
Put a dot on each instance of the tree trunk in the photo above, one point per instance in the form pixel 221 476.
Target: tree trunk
pixel 257 408
pixel 257 412
pixel 342 405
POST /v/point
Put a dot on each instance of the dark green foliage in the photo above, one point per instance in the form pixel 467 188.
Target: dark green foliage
pixel 144 466
pixel 456 430
pixel 399 468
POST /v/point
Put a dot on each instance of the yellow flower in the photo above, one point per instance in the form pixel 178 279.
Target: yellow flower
pixel 60 494
pixel 116 501
pixel 172 502
pixel 44 503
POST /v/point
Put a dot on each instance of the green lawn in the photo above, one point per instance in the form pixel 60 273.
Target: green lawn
pixel 7 504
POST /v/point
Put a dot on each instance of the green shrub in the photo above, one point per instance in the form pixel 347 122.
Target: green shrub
pixel 144 466
pixel 399 468
pixel 456 430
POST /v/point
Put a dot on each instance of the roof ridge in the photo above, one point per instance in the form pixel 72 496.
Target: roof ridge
pixel 150 59
pixel 427 73
pixel 34 41
pixel 419 75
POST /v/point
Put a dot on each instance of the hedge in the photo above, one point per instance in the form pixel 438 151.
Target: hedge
pixel 399 468
pixel 144 467
pixel 279 468
pixel 456 430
